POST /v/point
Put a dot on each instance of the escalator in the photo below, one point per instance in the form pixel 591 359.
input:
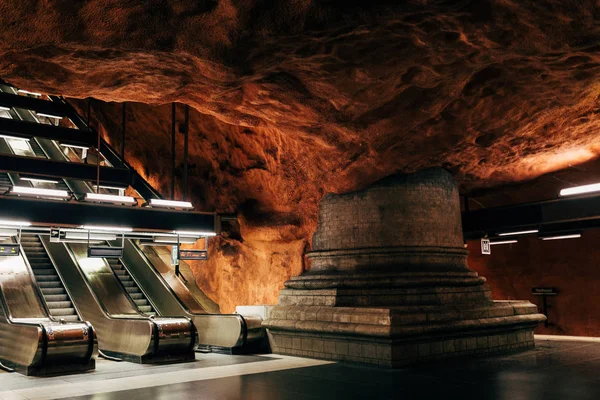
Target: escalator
pixel 134 291
pixel 123 329
pixel 31 341
pixel 54 292
pixel 229 333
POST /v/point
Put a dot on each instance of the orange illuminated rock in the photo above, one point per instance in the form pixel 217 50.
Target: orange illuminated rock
pixel 294 99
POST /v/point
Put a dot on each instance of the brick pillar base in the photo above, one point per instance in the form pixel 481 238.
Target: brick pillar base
pixel 390 285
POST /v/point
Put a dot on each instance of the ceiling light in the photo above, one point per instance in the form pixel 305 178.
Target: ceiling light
pixel 2 108
pixel 28 92
pixel 49 116
pixel 83 235
pixel 8 222
pixel 107 228
pixel 571 236
pixel 38 192
pixel 503 242
pixel 110 187
pixel 195 233
pixel 518 233
pixel 109 198
pixel 171 204
pixel 74 146
pixel 595 187
pixel 174 240
pixel 39 180
pixel 13 137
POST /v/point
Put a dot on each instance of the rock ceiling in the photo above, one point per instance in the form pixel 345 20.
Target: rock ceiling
pixel 293 99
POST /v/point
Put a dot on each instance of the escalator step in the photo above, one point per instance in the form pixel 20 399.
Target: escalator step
pixel 133 289
pixel 70 318
pixel 53 284
pixel 141 302
pixel 151 313
pixel 121 272
pixel 145 308
pixel 53 305
pixel 128 284
pixel 48 278
pixel 136 296
pixel 125 278
pixel 55 297
pixel 45 271
pixel 51 291
pixel 62 311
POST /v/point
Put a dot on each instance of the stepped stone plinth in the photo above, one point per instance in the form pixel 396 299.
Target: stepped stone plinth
pixel 390 285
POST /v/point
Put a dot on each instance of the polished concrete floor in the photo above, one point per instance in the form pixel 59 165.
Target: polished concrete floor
pixel 554 370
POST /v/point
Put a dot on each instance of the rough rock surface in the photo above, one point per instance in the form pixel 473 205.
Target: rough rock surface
pixel 294 99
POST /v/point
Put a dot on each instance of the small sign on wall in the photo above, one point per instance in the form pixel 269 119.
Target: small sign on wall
pixel 544 291
pixel 486 248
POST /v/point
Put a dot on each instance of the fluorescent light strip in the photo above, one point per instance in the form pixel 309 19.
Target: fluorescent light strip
pixel 110 187
pixel 573 236
pixel 49 116
pixel 195 233
pixel 30 191
pixel 595 187
pixel 41 180
pixel 28 92
pixel 503 242
pixel 170 204
pixel 75 146
pixel 2 108
pixel 518 233
pixel 175 240
pixel 8 222
pixel 109 198
pixel 14 137
pixel 84 235
pixel 107 228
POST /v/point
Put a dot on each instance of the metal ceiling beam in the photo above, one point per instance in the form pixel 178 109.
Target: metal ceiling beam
pixel 64 170
pixel 563 214
pixel 30 130
pixel 62 213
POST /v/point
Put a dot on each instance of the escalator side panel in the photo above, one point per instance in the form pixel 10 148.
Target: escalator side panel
pixel 30 341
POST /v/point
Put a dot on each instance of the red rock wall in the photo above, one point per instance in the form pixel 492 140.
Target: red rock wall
pixel 570 265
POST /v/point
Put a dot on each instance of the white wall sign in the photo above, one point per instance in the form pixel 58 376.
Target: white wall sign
pixel 485 246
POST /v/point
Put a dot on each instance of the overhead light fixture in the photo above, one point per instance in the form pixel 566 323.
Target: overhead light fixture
pixel 2 108
pixel 109 198
pixel 107 228
pixel 186 205
pixel 39 180
pixel 175 239
pixel 83 235
pixel 75 146
pixel 195 233
pixel 110 187
pixel 49 115
pixel 10 222
pixel 28 92
pixel 595 187
pixel 503 242
pixel 571 236
pixel 518 233
pixel 14 137
pixel 38 192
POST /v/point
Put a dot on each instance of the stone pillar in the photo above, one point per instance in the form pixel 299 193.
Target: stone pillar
pixel 390 284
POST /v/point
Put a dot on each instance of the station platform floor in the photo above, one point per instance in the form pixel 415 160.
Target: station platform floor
pixel 563 369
